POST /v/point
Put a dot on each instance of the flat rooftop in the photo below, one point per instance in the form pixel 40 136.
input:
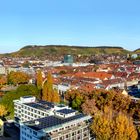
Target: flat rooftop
pixel 44 105
pixel 51 121
pixel 66 111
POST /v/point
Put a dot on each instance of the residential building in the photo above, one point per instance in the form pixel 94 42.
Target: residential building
pixel 3 70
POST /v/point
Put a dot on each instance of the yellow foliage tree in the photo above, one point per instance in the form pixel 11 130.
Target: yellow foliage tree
pixel 48 93
pixel 113 127
pixel 55 97
pixel 39 79
pixel 124 128
pixel 18 78
pixel 101 126
pixel 3 110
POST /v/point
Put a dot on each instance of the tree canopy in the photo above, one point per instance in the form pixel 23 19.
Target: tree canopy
pixel 16 78
pixel 108 125
pixel 39 79
pixel 3 110
pixel 49 93
pixel 22 90
pixel 113 113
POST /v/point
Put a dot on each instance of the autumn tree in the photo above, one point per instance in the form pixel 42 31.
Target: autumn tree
pixel 107 125
pixel 101 126
pixel 134 110
pixel 39 79
pixel 18 78
pixel 3 110
pixel 48 93
pixel 48 88
pixel 55 96
pixel 89 107
pixel 121 103
pixel 123 128
pixel 45 91
pixel 3 80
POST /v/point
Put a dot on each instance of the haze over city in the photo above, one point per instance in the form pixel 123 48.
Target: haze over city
pixel 80 22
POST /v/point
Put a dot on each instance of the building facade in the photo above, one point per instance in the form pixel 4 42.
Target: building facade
pixel 41 120
pixel 28 108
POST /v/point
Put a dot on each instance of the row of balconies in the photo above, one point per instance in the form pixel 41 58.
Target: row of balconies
pixel 76 129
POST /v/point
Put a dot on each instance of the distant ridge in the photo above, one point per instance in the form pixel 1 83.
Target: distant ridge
pixel 32 46
pixel 60 50
pixel 137 50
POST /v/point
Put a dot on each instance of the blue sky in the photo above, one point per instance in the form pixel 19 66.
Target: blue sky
pixel 69 22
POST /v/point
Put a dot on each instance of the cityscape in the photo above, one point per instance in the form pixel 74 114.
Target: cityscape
pixel 70 98
pixel 69 70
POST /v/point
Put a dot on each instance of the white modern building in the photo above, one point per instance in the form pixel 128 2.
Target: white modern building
pixel 62 88
pixel 3 70
pixel 29 108
pixel 41 120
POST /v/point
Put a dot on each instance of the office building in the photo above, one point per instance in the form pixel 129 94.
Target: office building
pixel 41 120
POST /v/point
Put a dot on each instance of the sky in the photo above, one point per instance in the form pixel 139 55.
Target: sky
pixel 69 22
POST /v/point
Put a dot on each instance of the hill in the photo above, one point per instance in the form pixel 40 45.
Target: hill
pixel 137 51
pixel 59 50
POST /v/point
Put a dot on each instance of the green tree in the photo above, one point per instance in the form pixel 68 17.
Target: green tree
pixel 77 102
pixel 22 90
pixel 26 64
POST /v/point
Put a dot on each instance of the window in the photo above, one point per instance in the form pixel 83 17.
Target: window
pixel 85 135
pixel 78 132
pixel 85 129
pixel 79 137
pixel 67 136
pixel 61 138
pixel 73 134
pixel 35 133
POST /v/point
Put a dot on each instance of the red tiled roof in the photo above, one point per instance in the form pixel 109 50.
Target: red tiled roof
pixel 99 75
